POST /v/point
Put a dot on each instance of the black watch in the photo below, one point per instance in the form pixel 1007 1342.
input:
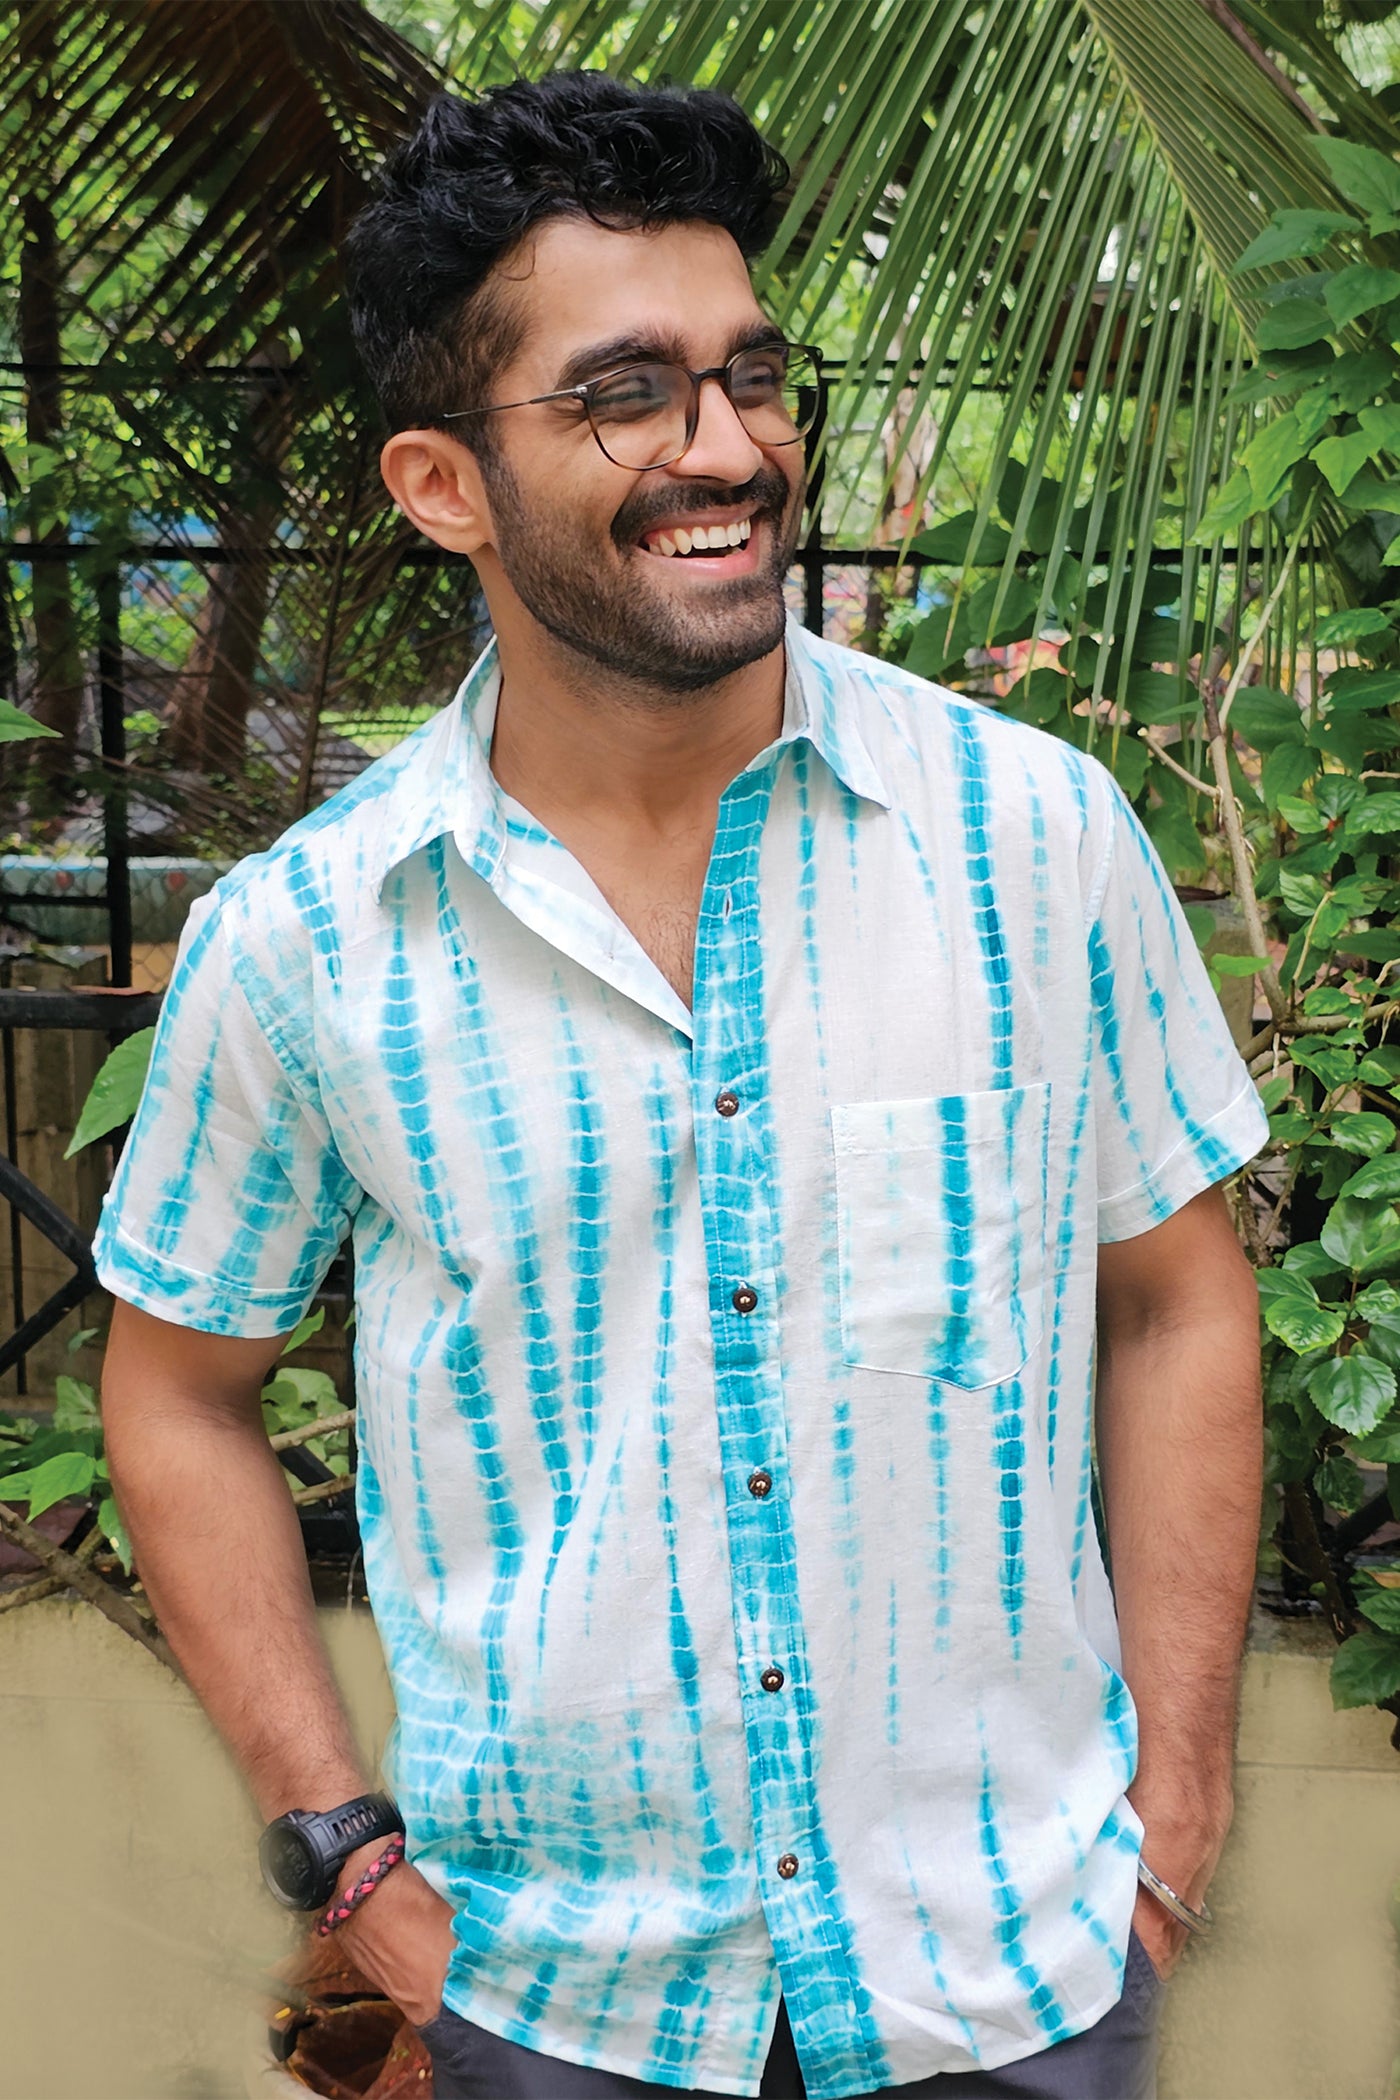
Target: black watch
pixel 303 1851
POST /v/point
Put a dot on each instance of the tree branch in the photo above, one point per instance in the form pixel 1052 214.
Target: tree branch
pixel 75 1575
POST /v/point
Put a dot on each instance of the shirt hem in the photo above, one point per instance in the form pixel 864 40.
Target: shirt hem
pixel 707 2077
pixel 186 1298
pixel 1240 1128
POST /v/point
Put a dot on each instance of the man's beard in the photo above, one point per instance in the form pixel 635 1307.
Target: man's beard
pixel 643 637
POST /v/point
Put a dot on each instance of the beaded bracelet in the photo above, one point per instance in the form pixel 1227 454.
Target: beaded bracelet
pixel 340 1907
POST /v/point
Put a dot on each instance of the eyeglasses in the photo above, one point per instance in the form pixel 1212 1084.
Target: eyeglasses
pixel 646 415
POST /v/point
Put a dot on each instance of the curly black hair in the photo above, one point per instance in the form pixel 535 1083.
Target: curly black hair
pixel 479 174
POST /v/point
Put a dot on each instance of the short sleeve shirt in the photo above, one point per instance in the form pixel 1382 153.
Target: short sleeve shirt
pixel 724 1373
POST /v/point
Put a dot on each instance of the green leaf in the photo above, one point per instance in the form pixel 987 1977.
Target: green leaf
pixel 1365 1669
pixel 1379 1177
pixel 949 542
pixel 1339 1484
pixel 1355 1392
pixel 1367 179
pixel 1383 1340
pixel 1265 717
pixel 1364 1132
pixel 303 1331
pixel 1381 1606
pixel 1379 1301
pixel 1339 630
pixel 16 727
pixel 1327 999
pixel 1377 944
pixel 1288 767
pixel 1292 324
pixel 1225 514
pixel 1159 696
pixel 1361 1233
pixel 1270 457
pixel 1302 817
pixel 1237 965
pixel 312 1391
pixel 1294 233
pixel 1369 492
pixel 1315 1053
pixel 1357 692
pixel 66 1473
pixel 115 1092
pixel 1297 1317
pixel 1342 458
pixel 1381 1445
pixel 1037 697
pixel 1378 812
pixel 1302 894
pixel 109 1520
pixel 75 1404
pixel 1359 289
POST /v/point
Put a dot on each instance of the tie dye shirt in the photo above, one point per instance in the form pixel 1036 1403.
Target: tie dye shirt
pixel 724 1375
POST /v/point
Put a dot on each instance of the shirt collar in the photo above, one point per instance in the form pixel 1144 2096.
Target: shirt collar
pixel 444 783
pixel 820 707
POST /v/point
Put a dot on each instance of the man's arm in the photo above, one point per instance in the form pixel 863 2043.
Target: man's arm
pixel 1180 1452
pixel 219 1549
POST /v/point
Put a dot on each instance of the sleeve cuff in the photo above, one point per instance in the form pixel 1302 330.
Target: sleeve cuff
pixel 1218 1149
pixel 154 1284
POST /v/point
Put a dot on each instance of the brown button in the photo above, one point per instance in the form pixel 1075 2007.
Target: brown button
pixel 787 1866
pixel 745 1298
pixel 772 1679
pixel 726 1104
pixel 760 1484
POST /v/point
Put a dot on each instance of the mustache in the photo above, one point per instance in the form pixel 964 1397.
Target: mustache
pixel 769 489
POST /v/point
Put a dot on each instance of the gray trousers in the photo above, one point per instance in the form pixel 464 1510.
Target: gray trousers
pixel 1113 2060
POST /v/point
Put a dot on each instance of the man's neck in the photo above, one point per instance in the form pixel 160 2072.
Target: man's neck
pixel 569 738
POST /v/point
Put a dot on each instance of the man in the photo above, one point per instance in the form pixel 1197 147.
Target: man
pixel 752 1078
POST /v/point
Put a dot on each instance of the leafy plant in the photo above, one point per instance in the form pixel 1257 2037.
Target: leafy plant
pixel 42 1464
pixel 1286 791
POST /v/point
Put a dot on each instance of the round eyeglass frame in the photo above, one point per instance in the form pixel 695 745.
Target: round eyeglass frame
pixel 583 393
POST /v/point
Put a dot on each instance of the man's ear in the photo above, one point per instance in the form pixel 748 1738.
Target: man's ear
pixel 438 486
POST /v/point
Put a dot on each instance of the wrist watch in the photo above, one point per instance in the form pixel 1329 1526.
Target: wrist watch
pixel 303 1851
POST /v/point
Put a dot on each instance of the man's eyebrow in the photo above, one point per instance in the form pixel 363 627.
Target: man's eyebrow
pixel 654 349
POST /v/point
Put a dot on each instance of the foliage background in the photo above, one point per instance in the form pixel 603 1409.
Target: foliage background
pixel 1114 291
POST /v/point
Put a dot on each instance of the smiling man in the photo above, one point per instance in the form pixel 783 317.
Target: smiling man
pixel 777 1107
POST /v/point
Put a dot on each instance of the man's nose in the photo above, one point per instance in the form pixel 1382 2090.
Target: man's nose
pixel 721 449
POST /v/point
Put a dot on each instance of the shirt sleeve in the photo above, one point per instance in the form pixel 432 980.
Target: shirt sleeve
pixel 230 1199
pixel 1175 1109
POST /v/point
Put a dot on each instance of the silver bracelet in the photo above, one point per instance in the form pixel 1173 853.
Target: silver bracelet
pixel 1197 1921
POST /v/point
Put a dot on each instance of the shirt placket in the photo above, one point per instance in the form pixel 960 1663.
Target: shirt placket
pixel 736 1169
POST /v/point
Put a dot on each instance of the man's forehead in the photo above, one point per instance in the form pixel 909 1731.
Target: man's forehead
pixel 681 288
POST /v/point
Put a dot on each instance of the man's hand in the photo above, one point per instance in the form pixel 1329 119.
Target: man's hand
pixel 1182 1846
pixel 401 1936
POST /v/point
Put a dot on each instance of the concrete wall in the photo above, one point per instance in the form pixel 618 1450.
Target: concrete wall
pixel 134 1927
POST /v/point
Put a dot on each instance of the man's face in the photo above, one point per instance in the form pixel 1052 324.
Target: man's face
pixel 579 538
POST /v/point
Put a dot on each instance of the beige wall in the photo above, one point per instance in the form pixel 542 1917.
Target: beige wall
pixel 134 1926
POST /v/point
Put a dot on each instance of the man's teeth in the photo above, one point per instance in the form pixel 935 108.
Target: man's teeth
pixel 702 539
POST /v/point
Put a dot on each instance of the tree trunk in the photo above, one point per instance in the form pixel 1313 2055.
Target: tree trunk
pixel 208 722
pixel 58 663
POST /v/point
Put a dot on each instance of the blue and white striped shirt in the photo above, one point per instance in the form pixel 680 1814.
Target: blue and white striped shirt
pixel 724 1376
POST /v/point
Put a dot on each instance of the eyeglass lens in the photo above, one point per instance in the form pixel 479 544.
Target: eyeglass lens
pixel 640 416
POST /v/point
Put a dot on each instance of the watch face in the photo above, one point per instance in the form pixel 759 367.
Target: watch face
pixel 289 1869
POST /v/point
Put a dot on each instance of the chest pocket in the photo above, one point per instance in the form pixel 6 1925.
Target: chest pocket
pixel 941 1223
